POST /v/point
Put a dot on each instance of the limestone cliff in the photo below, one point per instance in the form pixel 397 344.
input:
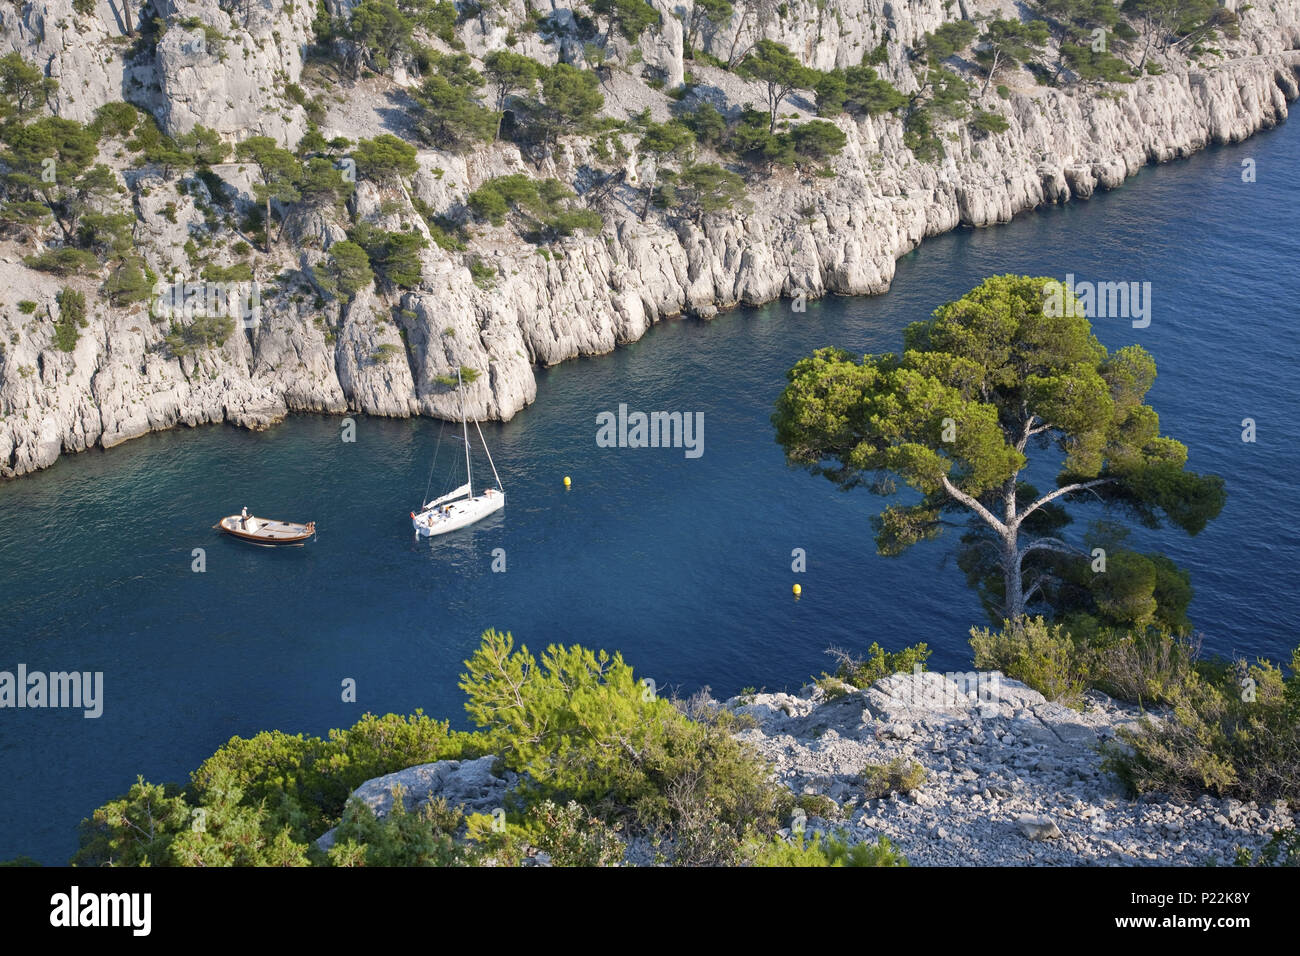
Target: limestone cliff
pixel 383 354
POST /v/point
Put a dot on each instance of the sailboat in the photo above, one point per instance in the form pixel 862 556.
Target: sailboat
pixel 460 506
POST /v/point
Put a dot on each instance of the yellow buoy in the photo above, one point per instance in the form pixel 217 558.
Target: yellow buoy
pixel 797 590
pixel 566 481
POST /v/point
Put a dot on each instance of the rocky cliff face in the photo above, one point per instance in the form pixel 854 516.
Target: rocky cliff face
pixel 384 355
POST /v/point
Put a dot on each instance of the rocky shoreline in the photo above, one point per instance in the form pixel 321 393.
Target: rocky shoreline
pixel 805 235
pixel 1011 779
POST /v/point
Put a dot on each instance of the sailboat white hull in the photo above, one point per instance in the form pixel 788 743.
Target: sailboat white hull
pixel 457 514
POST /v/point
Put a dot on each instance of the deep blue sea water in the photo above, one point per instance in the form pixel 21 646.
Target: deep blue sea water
pixel 684 565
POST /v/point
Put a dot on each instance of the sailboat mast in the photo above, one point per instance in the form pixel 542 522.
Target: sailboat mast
pixel 488 453
pixel 469 477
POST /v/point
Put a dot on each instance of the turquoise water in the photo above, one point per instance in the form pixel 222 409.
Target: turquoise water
pixel 683 564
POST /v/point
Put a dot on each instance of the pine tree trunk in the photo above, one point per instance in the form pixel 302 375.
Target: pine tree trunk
pixel 1014 604
pixel 650 191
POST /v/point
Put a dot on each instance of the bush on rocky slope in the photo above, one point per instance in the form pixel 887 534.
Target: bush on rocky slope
pixel 601 757
pixel 1234 731
pixel 832 852
pixel 1232 727
pixel 878 664
pixel 1151 666
pixel 582 727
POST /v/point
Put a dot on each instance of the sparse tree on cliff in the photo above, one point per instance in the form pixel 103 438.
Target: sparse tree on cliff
pixel 701 190
pixel 509 73
pixel 1008 43
pixel 661 141
pixel 990 377
pixel 1162 24
pixel 23 87
pixel 278 169
pixel 629 17
pixel 705 18
pixel 781 71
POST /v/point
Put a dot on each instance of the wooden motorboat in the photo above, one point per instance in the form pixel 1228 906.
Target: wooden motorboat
pixel 266 531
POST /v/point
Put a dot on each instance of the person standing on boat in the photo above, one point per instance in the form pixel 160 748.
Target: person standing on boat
pixel 243 518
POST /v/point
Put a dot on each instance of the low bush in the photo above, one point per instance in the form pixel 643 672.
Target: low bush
pixel 423 837
pixel 877 665
pixel 72 318
pixel 582 728
pixel 66 261
pixel 1234 731
pixel 1282 849
pixel 1143 667
pixel 1038 654
pixel 544 209
pixel 832 852
pixel 897 776
pixel 571 836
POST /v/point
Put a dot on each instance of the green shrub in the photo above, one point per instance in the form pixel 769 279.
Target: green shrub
pixel 130 281
pixel 214 40
pixel 385 159
pixel 66 261
pixel 237 272
pixel 26 306
pixel 347 272
pixel 1234 730
pixel 601 752
pixel 832 687
pixel 156 826
pixel 542 206
pixel 202 333
pixel 1035 653
pixel 72 318
pixel 444 232
pixel 571 836
pixel 1282 849
pixel 818 805
pixel 878 664
pixel 1147 667
pixel 580 725
pixel 394 256
pixel 834 852
pixel 1150 667
pixel 425 837
pixel 983 123
pixel 897 776
pixel 115 119
pixel 920 137
pixel 818 140
pixel 467 377
pixel 483 273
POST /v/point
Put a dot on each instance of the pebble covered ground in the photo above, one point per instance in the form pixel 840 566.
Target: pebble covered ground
pixel 1011 779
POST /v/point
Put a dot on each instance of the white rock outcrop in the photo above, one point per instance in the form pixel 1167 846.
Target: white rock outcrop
pixel 1010 779
pixel 468 784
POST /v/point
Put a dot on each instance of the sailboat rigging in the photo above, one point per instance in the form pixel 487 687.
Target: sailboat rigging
pixel 460 506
